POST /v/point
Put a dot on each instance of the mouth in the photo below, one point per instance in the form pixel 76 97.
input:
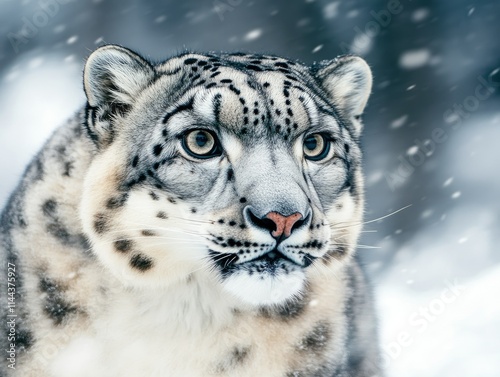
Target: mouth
pixel 272 262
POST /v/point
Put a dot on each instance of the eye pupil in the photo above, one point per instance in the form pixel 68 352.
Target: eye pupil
pixel 201 139
pixel 311 143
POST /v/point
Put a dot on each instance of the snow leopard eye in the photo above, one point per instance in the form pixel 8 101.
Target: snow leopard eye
pixel 316 147
pixel 201 144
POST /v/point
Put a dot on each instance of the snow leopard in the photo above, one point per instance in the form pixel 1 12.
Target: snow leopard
pixel 197 217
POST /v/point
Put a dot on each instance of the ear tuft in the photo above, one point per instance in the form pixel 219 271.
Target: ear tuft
pixel 348 82
pixel 113 77
pixel 115 74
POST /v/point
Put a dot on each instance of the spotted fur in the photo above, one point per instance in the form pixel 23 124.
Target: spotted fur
pixel 135 256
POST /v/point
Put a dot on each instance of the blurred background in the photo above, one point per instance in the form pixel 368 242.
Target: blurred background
pixel 431 138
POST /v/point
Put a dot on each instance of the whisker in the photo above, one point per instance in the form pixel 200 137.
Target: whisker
pixel 334 226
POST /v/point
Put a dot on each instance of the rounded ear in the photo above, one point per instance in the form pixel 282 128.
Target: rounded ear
pixel 114 74
pixel 113 77
pixel 348 82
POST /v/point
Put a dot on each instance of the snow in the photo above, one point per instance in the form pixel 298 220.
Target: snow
pixel 414 59
pixel 448 182
pixel 420 15
pixel 59 85
pixel 317 48
pixel 330 11
pixel 399 122
pixel 361 44
pixel 412 150
pixel 252 35
pixel 428 334
pixel 72 39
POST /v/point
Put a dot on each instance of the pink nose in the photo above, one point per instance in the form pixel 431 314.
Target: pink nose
pixel 284 224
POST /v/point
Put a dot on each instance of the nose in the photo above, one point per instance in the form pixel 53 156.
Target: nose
pixel 283 224
pixel 280 226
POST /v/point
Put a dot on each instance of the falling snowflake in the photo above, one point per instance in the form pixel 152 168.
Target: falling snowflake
pixel 414 59
pixel 317 48
pixel 252 35
pixel 399 122
pixel 72 39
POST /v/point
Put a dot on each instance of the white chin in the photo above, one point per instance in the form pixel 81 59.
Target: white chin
pixel 264 289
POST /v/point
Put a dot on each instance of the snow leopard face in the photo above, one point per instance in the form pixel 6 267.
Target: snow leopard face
pixel 245 168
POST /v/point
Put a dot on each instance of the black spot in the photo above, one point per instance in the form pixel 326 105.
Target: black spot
pixel 153 195
pixel 68 167
pixel 59 231
pixel 141 262
pixel 242 101
pixel 55 305
pixel 215 74
pixel 101 223
pixel 290 112
pixel 116 201
pixel 24 340
pixel 162 215
pixel 282 65
pixel 239 354
pixel 230 174
pixel 226 81
pixel 254 68
pixel 234 89
pixel 49 207
pixel 123 245
pixel 211 85
pixel 194 210
pixel 148 233
pixel 232 223
pixel 157 149
pixel 243 200
pixel 221 221
pixel 141 178
pixel 266 84
pixel 190 61
pixel 317 339
pixel 135 161
pixel 172 200
pixel 346 147
pixel 183 107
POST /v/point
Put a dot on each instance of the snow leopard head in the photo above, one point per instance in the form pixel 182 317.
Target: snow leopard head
pixel 239 167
